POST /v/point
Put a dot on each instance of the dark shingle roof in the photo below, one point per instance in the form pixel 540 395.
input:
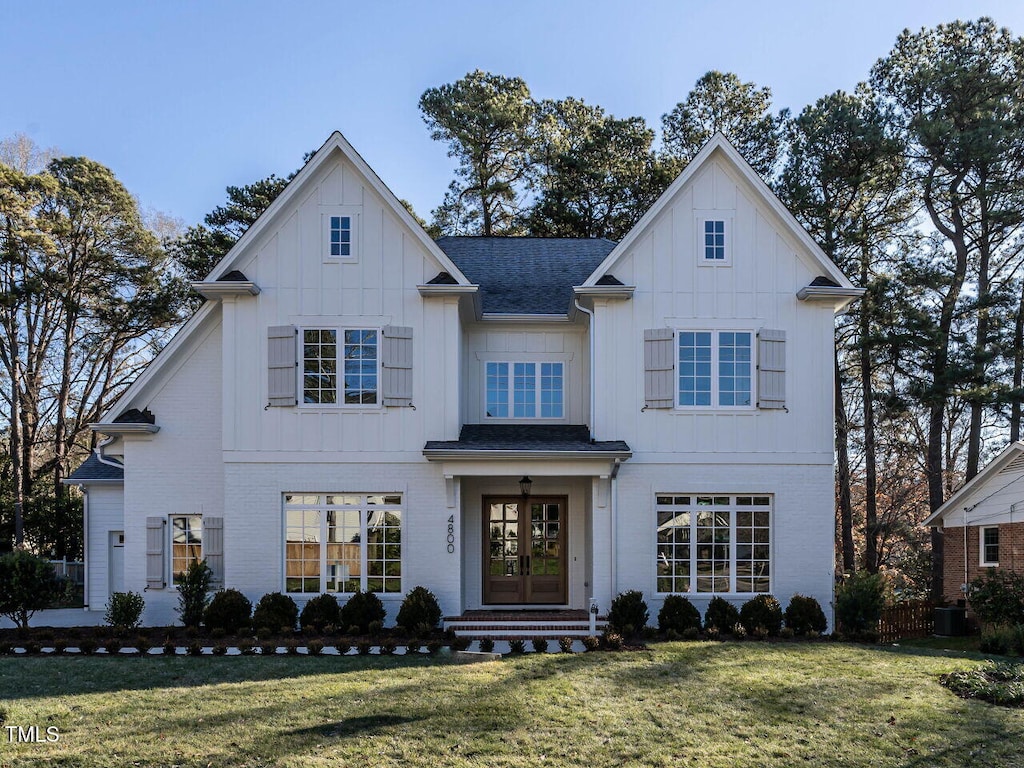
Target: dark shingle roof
pixel 443 278
pixel 135 416
pixel 234 276
pixel 94 469
pixel 526 275
pixel 526 437
pixel 821 280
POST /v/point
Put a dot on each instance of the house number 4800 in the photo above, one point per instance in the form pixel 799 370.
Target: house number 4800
pixel 451 534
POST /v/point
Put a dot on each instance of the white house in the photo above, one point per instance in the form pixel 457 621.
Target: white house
pixel 356 406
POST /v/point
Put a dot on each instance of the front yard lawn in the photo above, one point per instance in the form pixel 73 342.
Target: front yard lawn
pixel 698 703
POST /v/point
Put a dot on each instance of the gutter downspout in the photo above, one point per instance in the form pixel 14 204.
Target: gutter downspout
pixel 593 321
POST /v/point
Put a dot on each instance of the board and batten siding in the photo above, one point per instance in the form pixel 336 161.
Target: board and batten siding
pixel 561 342
pixel 302 287
pixel 756 291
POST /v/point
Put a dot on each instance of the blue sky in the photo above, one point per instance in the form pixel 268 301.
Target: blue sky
pixel 181 99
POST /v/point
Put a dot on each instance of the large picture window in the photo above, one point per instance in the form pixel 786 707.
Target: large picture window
pixel 715 369
pixel 526 390
pixel 713 544
pixel 356 370
pixel 338 542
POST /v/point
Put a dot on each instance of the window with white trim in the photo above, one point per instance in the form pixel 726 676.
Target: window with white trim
pixel 715 369
pixel 526 390
pixel 342 542
pixel 713 544
pixel 714 241
pixel 186 544
pixel 989 545
pixel 339 224
pixel 356 370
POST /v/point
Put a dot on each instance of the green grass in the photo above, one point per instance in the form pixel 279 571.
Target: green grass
pixel 706 704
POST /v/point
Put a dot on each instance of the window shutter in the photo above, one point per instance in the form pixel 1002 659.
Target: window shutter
pixel 281 363
pixel 396 365
pixel 659 365
pixel 213 549
pixel 155 553
pixel 771 369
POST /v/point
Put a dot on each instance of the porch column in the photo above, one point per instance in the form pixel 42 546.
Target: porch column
pixel 601 543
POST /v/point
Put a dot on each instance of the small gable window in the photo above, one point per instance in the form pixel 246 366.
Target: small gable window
pixel 340 236
pixel 714 240
pixel 990 545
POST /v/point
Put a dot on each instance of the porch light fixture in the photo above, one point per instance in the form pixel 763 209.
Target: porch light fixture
pixel 525 485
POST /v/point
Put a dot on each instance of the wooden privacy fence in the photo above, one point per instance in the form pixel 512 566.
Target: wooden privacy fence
pixel 909 619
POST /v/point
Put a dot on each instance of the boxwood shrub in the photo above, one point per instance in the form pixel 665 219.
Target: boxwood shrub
pixel 678 614
pixel 761 611
pixel 804 614
pixel 320 612
pixel 721 615
pixel 275 612
pixel 229 611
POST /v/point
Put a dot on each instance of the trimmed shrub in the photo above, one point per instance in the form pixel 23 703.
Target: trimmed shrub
pixel 195 648
pixel 804 614
pixel 460 643
pixel 998 640
pixel 761 611
pixel 169 647
pixel 613 641
pixel 565 644
pixel 315 647
pixel 342 647
pixel 388 647
pixel 721 615
pixel 363 647
pixel 361 610
pixel 859 603
pixel 124 611
pixel 678 614
pixel 517 646
pixel 229 610
pixel 268 649
pixel 540 645
pixel 27 584
pixel 434 647
pixel 275 611
pixel 320 612
pixel 219 649
pixel 739 631
pixel 591 643
pixel 193 593
pixel 419 609
pixel 486 645
pixel 628 614
pixel 87 646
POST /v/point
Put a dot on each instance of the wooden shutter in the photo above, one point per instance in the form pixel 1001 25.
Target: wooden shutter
pixel 396 365
pixel 659 365
pixel 771 369
pixel 213 549
pixel 282 362
pixel 155 553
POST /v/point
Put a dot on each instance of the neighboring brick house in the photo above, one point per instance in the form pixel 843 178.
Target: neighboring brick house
pixel 510 422
pixel 982 524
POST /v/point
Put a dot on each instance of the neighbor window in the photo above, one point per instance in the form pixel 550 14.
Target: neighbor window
pixel 713 544
pixel 525 390
pixel 186 544
pixel 714 240
pixel 715 368
pixel 321 364
pixel 339 542
pixel 990 545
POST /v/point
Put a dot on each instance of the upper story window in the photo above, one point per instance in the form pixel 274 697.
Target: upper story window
pixel 527 390
pixel 339 366
pixel 714 240
pixel 990 545
pixel 715 369
pixel 340 236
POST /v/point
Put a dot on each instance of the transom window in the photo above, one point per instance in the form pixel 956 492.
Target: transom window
pixel 714 240
pixel 715 369
pixel 525 390
pixel 340 235
pixel 186 544
pixel 713 544
pixel 320 366
pixel 340 542
pixel 990 545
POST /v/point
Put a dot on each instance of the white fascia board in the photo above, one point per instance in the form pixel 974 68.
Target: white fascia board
pixel 620 292
pixel 435 289
pixel 718 142
pixel 127 428
pixel 997 465
pixel 218 289
pixel 334 142
pixel 168 353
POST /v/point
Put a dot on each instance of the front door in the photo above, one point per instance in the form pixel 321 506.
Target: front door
pixel 524 550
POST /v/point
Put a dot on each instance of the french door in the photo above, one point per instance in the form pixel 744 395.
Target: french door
pixel 524 550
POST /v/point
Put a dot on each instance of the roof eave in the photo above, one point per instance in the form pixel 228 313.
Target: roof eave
pixel 448 454
pixel 129 428
pixel 444 289
pixel 220 289
pixel 89 481
pixel 513 317
pixel 615 292
pixel 840 298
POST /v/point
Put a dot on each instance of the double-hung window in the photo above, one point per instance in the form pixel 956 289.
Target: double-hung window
pixel 342 542
pixel 339 366
pixel 715 369
pixel 186 544
pixel 526 390
pixel 990 546
pixel 714 241
pixel 713 543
